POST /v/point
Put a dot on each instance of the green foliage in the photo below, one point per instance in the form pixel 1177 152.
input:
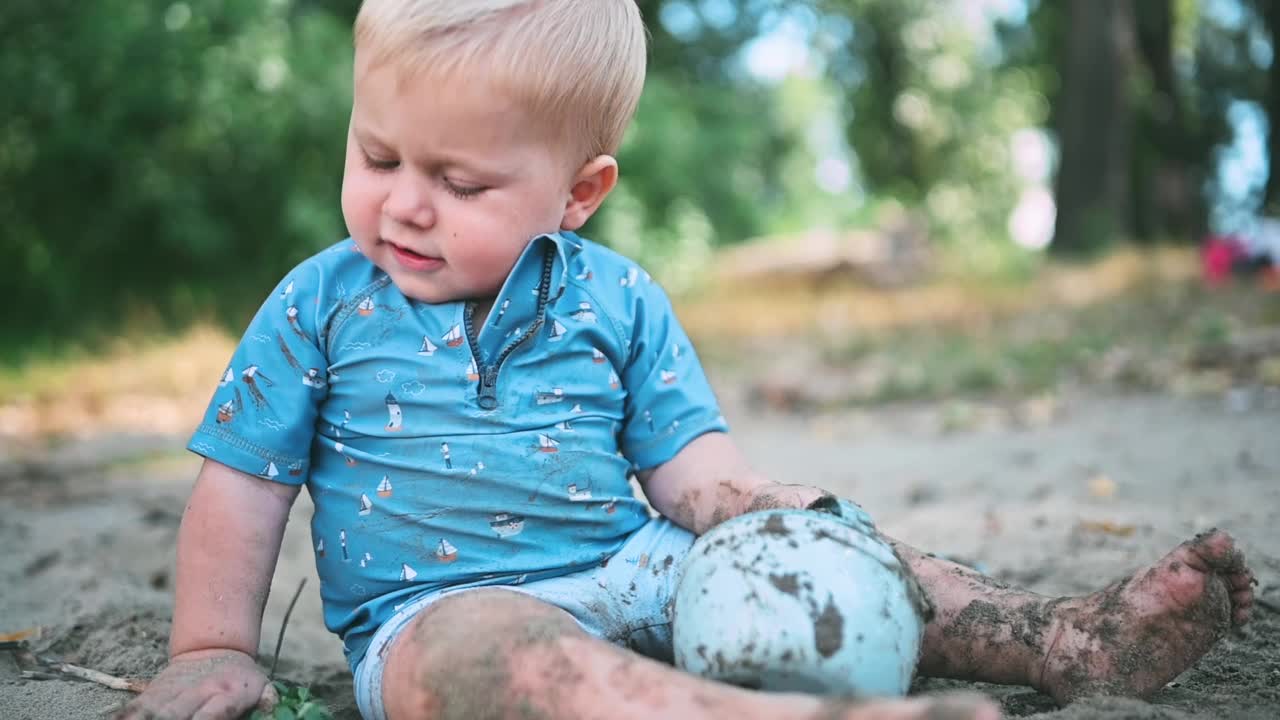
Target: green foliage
pixel 166 161
pixel 167 158
pixel 296 703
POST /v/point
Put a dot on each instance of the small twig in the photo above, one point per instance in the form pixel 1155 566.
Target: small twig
pixel 37 675
pixel 101 678
pixel 284 624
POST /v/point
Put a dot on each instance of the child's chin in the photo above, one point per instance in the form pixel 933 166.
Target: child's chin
pixel 433 296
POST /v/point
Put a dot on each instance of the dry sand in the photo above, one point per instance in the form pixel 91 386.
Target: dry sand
pixel 1066 504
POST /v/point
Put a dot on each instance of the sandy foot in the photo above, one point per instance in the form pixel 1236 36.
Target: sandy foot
pixel 1135 636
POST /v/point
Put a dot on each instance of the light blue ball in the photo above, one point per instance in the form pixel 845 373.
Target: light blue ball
pixel 792 600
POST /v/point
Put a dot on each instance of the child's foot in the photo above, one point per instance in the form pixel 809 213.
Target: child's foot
pixel 1135 636
pixel 954 706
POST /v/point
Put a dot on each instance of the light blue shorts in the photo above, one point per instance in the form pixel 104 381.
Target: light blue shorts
pixel 626 601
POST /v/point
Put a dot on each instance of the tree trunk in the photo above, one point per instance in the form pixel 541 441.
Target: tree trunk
pixel 1094 126
pixel 1168 161
pixel 1271 195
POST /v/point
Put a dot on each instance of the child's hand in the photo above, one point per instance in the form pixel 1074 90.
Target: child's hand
pixel 223 684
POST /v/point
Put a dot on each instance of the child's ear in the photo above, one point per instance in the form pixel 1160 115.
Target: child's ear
pixel 590 187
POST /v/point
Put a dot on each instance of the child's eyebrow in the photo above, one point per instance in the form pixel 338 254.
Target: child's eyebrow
pixel 367 138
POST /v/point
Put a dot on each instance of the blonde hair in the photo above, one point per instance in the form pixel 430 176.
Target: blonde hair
pixel 577 65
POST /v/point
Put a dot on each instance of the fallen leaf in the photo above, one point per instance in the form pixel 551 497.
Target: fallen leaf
pixel 1108 527
pixel 1101 486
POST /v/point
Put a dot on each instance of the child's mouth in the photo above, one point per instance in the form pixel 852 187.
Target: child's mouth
pixel 411 260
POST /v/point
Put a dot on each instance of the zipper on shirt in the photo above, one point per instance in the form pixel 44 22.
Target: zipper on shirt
pixel 487 395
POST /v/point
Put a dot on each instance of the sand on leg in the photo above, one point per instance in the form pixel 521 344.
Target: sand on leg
pixel 492 653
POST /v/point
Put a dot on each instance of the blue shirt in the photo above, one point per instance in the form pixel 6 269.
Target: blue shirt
pixel 436 456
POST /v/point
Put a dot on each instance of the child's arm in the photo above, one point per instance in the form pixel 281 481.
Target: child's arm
pixel 227 549
pixel 709 481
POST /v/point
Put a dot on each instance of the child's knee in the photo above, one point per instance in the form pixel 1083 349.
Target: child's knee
pixel 463 652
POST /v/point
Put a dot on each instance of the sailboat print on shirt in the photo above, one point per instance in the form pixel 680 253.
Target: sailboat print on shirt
pixel 320 548
pixel 547 445
pixel 227 410
pixel 453 338
pixel 473 373
pixel 365 308
pixel 507 525
pixel 227 378
pixel 446 552
pixel 407 574
pixel 342 450
pixel 610 507
pixel 577 493
pixel 366 506
pixel 557 331
pixel 614 382
pixel 270 472
pixel 428 347
pixel 549 397
pixel 384 487
pixel 668 377
pixel 291 314
pixel 597 357
pixel 584 313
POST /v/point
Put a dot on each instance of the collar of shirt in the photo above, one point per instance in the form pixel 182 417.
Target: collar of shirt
pixel 516 306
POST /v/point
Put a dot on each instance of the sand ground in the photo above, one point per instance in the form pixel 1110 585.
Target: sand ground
pixel 1063 500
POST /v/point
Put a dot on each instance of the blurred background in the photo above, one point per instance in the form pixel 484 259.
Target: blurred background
pixel 922 199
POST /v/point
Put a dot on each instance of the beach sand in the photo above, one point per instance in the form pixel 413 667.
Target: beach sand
pixel 1063 501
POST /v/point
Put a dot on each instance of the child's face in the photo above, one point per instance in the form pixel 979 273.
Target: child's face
pixel 446 182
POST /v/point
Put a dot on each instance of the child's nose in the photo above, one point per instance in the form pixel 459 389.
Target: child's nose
pixel 409 202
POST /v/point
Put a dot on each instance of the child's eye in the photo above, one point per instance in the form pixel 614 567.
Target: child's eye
pixel 463 191
pixel 378 165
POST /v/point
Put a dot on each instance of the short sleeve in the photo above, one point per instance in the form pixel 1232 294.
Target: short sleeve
pixel 261 419
pixel 669 401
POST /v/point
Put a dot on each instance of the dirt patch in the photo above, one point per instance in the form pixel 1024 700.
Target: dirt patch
pixel 828 630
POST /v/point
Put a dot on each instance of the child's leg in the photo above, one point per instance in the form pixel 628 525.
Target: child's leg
pixel 494 653
pixel 1128 639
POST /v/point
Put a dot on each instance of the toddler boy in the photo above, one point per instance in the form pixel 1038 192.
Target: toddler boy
pixel 465 385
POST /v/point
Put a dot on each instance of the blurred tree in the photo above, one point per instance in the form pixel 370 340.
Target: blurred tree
pixel 1093 124
pixel 700 165
pixel 1171 157
pixel 162 158
pixel 1159 111
pixel 175 158
pixel 932 116
pixel 874 68
pixel 1269 10
pixel 179 156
